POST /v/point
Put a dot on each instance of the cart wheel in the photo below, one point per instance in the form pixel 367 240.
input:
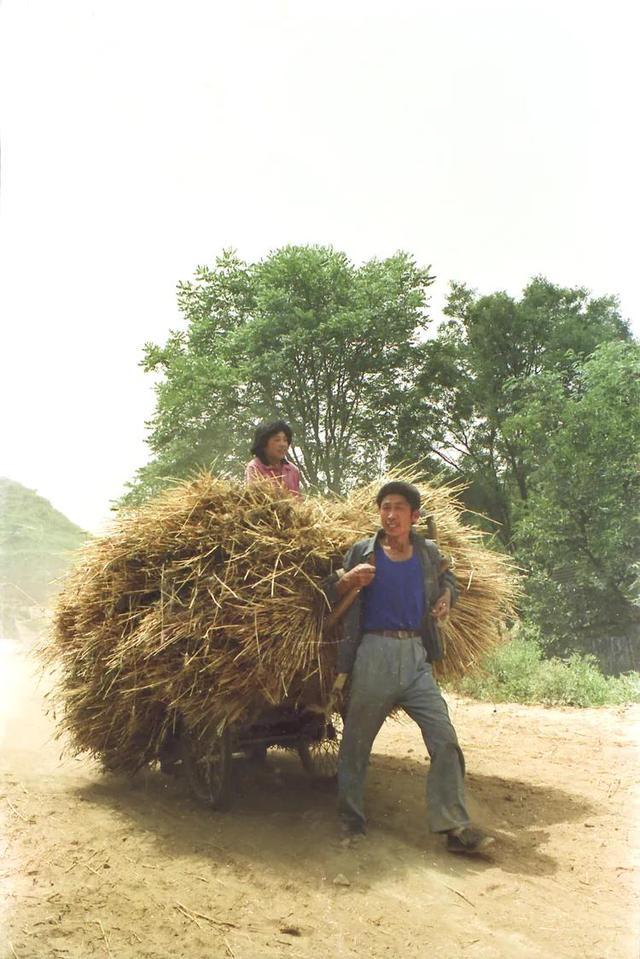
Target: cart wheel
pixel 319 757
pixel 257 754
pixel 207 766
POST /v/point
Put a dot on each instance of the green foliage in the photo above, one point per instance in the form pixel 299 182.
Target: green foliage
pixel 303 334
pixel 472 376
pixel 36 545
pixel 578 534
pixel 517 672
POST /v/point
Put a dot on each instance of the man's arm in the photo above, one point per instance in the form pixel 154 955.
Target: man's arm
pixel 448 589
pixel 361 575
pixel 442 606
pixel 334 587
pixel 449 581
pixel 350 579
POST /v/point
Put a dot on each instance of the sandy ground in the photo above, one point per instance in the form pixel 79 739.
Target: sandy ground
pixel 93 865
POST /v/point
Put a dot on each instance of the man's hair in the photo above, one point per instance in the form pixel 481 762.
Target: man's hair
pixel 396 487
pixel 263 434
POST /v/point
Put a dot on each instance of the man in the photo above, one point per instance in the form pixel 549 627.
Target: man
pixel 389 641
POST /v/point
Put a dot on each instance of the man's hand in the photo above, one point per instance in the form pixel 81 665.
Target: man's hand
pixel 358 577
pixel 334 703
pixel 336 699
pixel 442 606
pixel 361 575
pixel 339 683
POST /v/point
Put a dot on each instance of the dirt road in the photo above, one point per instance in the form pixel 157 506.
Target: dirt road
pixel 94 866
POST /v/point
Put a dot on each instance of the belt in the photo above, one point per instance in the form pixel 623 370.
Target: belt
pixel 398 633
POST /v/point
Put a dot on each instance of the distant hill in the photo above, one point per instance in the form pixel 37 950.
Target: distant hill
pixel 36 546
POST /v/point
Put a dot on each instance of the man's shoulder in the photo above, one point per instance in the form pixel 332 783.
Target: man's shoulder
pixel 419 537
pixel 363 546
pixel 428 546
pixel 364 543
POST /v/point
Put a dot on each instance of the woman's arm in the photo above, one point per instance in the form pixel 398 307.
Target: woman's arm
pixel 251 472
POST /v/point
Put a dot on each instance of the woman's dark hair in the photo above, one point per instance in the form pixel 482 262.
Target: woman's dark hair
pixel 410 492
pixel 264 433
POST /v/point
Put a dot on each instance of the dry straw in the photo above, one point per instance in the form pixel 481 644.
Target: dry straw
pixel 208 602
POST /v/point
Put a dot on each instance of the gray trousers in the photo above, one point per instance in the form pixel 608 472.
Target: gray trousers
pixel 391 672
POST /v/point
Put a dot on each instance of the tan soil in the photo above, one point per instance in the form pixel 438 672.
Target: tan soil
pixel 92 865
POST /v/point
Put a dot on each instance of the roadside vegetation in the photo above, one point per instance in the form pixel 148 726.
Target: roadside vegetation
pixel 37 544
pixel 518 672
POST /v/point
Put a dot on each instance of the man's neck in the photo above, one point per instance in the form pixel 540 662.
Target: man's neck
pixel 397 544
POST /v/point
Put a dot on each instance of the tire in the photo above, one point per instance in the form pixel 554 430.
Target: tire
pixel 319 757
pixel 207 767
pixel 257 754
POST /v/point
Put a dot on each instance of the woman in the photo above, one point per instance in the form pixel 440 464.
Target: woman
pixel 270 446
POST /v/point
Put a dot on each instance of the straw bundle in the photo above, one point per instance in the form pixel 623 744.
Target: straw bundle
pixel 208 601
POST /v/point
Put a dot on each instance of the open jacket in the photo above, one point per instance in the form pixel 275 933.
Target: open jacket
pixel 437 577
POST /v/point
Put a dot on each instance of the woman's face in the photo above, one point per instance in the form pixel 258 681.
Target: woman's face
pixel 276 448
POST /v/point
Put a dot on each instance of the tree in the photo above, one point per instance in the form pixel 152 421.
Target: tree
pixel 303 334
pixel 472 376
pixel 578 534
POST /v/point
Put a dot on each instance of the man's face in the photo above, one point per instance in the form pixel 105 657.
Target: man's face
pixel 396 515
pixel 276 447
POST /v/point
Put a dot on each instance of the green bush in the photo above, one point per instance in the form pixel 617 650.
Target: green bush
pixel 517 672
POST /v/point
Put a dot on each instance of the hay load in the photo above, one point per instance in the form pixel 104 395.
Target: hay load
pixel 208 602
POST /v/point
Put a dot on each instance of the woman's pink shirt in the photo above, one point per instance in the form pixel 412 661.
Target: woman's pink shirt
pixel 286 473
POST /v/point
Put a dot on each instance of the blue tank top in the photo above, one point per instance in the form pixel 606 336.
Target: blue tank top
pixel 396 597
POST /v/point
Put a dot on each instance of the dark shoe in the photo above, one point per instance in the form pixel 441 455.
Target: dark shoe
pixel 468 840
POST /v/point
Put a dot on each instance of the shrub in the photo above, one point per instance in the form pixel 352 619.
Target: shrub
pixel 517 672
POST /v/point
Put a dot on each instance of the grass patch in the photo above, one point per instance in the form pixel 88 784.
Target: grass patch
pixel 518 672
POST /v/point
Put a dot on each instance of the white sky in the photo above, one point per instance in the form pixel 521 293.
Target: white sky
pixel 493 140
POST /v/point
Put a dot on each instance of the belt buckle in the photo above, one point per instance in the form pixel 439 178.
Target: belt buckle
pixel 404 633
